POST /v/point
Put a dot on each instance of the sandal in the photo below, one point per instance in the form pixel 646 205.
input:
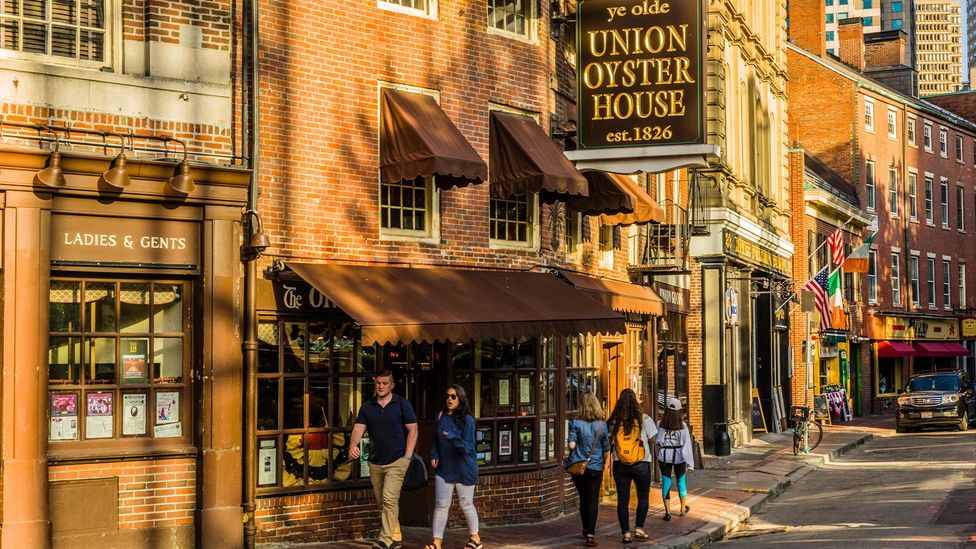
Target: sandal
pixel 590 541
pixel 685 511
pixel 627 538
pixel 431 546
pixel 472 544
pixel 639 533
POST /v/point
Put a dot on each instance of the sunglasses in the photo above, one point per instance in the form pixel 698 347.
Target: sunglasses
pixel 452 396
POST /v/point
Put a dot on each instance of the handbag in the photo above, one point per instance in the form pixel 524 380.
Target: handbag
pixel 416 475
pixel 578 468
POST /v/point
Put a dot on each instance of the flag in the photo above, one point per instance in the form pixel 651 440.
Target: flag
pixel 836 243
pixel 857 262
pixel 836 301
pixel 818 285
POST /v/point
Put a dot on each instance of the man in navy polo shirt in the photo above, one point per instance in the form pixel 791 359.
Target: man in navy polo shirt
pixel 392 426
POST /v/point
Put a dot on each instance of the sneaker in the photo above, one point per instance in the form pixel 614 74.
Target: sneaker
pixel 667 516
pixel 685 511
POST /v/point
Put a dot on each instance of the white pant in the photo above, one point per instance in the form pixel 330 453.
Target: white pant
pixel 444 492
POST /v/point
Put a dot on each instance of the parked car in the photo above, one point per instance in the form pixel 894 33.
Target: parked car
pixel 937 399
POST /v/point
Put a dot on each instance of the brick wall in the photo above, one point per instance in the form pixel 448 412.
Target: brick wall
pixel 885 52
pixel 696 373
pixel 962 103
pixel 161 20
pixel 808 25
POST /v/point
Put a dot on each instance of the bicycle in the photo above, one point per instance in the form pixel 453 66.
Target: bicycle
pixel 807 433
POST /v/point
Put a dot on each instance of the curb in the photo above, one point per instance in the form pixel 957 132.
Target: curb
pixel 728 520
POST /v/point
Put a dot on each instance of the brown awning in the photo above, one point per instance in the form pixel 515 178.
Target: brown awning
pixel 645 208
pixel 607 195
pixel 399 304
pixel 619 296
pixel 524 160
pixel 418 140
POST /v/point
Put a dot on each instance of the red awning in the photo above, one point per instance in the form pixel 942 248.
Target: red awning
pixel 888 349
pixel 935 348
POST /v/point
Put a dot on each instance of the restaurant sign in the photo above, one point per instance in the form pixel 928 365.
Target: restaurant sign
pixel 95 240
pixel 913 328
pixel 640 73
pixel 750 252
pixel 968 327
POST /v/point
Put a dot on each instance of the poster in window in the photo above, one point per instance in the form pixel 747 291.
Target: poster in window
pixel 98 421
pixel 134 414
pixel 64 416
pixel 364 457
pixel 525 433
pixel 167 423
pixel 134 368
pixel 267 462
pixel 482 446
pixel 543 440
pixel 504 392
pixel 525 390
pixel 552 440
pixel 504 445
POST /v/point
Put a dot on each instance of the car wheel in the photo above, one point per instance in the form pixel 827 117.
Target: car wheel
pixel 964 420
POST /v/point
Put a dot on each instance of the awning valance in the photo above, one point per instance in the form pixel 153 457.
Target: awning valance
pixel 417 139
pixel 619 296
pixel 607 196
pixel 400 305
pixel 646 209
pixel 937 348
pixel 894 349
pixel 524 160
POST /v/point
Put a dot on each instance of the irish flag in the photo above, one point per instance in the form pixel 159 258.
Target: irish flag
pixel 857 262
pixel 836 301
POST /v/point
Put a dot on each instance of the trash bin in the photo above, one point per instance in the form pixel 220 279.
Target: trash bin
pixel 723 445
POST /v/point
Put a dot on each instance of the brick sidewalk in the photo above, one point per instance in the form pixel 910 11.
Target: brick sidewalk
pixel 721 495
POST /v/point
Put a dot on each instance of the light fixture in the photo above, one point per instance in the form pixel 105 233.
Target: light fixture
pixel 257 241
pixel 662 325
pixel 52 176
pixel 182 181
pixel 117 176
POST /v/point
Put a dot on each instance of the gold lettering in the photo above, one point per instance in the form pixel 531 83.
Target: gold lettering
pixel 593 43
pixel 673 37
pixel 589 81
pixel 601 102
pixel 677 103
pixel 681 68
pixel 623 114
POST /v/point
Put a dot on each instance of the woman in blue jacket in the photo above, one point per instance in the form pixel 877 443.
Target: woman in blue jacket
pixel 453 458
pixel 588 441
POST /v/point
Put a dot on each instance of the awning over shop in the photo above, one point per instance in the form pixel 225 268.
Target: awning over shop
pixel 619 296
pixel 936 348
pixel 524 160
pixel 398 304
pixel 889 349
pixel 607 196
pixel 417 139
pixel 645 208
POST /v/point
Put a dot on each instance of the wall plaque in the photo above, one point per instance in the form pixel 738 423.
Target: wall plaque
pixel 94 240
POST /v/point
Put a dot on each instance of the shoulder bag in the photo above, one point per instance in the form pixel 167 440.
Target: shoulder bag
pixel 579 467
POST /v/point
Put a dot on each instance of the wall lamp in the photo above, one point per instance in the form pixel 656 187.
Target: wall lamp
pixel 52 176
pixel 117 176
pixel 257 241
pixel 182 181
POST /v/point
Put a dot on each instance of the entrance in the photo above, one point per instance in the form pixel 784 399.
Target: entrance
pixel 615 377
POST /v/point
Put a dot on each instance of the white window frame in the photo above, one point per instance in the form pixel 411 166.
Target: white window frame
pixel 943 142
pixel 959 149
pixel 944 201
pixel 873 276
pixel 870 186
pixel 960 208
pixel 531 24
pixel 534 238
pixel 913 196
pixel 428 12
pixel 913 278
pixel 946 283
pixel 927 136
pixel 893 208
pixel 929 199
pixel 605 246
pixel 896 279
pixel 869 115
pixel 962 284
pixel 930 279
pixel 112 46
pixel 892 124
pixel 910 124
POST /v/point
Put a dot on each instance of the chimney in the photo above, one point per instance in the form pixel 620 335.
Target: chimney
pixel 887 60
pixel 850 32
pixel 808 25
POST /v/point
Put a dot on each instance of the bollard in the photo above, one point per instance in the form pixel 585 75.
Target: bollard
pixel 723 445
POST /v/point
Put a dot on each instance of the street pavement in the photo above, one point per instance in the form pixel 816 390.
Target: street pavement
pixel 914 490
pixel 721 496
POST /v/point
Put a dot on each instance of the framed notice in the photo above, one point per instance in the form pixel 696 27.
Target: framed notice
pixel 505 445
pixel 133 414
pixel 525 390
pixel 267 462
pixel 98 420
pixel 64 417
pixel 504 392
pixel 482 445
pixel 543 440
pixel 167 415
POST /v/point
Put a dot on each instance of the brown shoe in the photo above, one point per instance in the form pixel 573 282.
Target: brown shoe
pixel 627 538
pixel 590 541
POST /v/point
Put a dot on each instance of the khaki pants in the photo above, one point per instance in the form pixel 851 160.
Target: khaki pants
pixel 387 481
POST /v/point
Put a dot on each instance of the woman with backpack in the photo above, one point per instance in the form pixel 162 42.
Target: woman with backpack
pixel 453 458
pixel 589 443
pixel 630 434
pixel 674 454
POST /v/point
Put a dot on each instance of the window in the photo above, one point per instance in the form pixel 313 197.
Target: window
pixel 944 202
pixel 869 184
pixel 930 281
pixel 960 213
pixel 913 276
pixel 830 2
pixel 889 376
pixel 868 21
pixel 892 125
pixel 119 363
pixel 896 7
pixel 59 28
pixel 516 17
pixel 974 153
pixel 868 113
pixel 422 7
pixel 895 279
pixel 512 220
pixel 946 297
pixel 927 136
pixel 407 208
pixel 943 142
pixel 866 4
pixel 574 235
pixel 830 18
pixel 928 201
pixel 910 124
pixel 959 148
pixel 893 191
pixel 912 197
pixel 609 239
pixel 962 286
pixel 896 24
pixel 841 2
pixel 872 276
pixel 830 36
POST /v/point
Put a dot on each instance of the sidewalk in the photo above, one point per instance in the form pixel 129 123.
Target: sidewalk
pixel 721 495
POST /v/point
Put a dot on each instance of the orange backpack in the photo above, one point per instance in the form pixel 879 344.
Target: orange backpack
pixel 629 446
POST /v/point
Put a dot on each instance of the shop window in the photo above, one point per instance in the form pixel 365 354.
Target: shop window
pixel 118 365
pixel 513 17
pixel 888 378
pixel 59 29
pixel 582 372
pixel 408 208
pixel 513 220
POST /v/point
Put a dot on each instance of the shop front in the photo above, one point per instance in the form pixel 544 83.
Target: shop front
pixel 672 348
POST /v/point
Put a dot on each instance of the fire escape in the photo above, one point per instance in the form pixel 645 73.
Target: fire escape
pixel 661 248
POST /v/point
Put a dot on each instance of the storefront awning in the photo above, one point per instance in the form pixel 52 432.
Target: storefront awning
pixel 935 348
pixel 646 210
pixel 417 139
pixel 619 296
pixel 888 349
pixel 607 196
pixel 524 160
pixel 400 305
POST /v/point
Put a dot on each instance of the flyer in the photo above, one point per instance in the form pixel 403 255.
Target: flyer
pixel 503 392
pixel 64 404
pixel 170 430
pixel 98 421
pixel 267 462
pixel 134 367
pixel 64 428
pixel 364 457
pixel 525 390
pixel 134 414
pixel 167 408
pixel 504 443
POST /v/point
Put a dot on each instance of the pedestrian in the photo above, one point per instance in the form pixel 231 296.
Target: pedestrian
pixel 588 441
pixel 674 454
pixel 453 458
pixel 631 431
pixel 392 426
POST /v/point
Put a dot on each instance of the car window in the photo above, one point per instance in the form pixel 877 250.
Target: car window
pixel 934 383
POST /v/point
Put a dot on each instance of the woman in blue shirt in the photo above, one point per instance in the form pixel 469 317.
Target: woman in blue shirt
pixel 588 440
pixel 453 458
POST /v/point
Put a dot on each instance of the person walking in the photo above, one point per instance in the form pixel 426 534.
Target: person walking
pixel 453 458
pixel 588 441
pixel 631 431
pixel 392 426
pixel 674 455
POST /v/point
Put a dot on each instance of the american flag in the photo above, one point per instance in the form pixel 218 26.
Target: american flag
pixel 836 243
pixel 818 285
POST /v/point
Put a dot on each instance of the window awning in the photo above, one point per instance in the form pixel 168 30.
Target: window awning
pixel 893 349
pixel 646 209
pixel 607 196
pixel 400 305
pixel 417 139
pixel 936 348
pixel 524 160
pixel 619 296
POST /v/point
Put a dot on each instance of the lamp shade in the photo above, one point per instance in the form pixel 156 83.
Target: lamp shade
pixel 52 176
pixel 118 176
pixel 182 182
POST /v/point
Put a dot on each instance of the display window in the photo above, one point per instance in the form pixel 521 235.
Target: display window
pixel 888 376
pixel 118 365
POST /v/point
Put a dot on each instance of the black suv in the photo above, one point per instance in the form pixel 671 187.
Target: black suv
pixel 937 399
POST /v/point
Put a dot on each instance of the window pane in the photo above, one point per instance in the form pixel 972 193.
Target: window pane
pixel 93 14
pixel 134 308
pixel 35 9
pixel 64 360
pixel 35 38
pixel 267 404
pixel 349 397
pixel 65 307
pixel 267 347
pixel 168 360
pixel 344 347
pixel 63 41
pixel 100 306
pixel 342 466
pixel 168 308
pixel 100 352
pixel 294 349
pixel 318 403
pixel 317 446
pixel 293 461
pixel 319 347
pixel 294 403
